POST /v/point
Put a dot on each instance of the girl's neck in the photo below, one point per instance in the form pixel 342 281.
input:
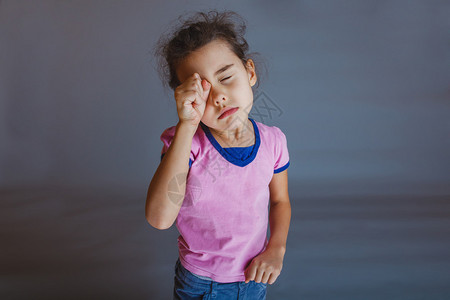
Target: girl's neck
pixel 242 136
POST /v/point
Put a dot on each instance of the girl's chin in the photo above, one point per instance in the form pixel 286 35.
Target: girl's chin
pixel 229 123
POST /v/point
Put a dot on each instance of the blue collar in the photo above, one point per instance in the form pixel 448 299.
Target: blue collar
pixel 228 154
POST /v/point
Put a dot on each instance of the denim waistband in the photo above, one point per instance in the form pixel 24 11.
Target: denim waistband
pixel 198 276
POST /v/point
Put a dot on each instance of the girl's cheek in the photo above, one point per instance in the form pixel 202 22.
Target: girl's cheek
pixel 208 109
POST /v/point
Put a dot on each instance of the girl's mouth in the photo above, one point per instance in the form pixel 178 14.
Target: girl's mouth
pixel 228 112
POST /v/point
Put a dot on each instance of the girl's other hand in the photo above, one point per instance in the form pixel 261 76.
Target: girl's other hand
pixel 191 97
pixel 265 267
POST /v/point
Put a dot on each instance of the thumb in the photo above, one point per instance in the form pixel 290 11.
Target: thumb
pixel 206 87
pixel 247 280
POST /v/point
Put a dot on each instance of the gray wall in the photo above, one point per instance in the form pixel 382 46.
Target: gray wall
pixel 362 89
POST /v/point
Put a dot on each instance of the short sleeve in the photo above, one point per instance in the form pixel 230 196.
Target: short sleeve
pixel 167 138
pixel 281 152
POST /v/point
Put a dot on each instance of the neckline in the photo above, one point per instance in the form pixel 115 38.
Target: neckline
pixel 225 154
pixel 239 148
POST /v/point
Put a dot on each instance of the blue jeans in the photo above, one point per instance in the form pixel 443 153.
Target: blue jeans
pixel 189 286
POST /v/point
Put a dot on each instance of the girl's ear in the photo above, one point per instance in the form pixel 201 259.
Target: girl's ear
pixel 250 66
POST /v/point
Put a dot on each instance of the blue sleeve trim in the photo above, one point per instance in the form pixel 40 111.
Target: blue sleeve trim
pixel 282 168
pixel 190 160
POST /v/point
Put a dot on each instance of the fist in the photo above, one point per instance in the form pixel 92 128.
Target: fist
pixel 190 98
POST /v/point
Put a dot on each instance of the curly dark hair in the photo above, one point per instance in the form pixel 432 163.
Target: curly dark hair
pixel 195 32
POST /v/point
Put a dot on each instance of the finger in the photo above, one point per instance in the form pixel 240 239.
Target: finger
pixel 181 94
pixel 250 274
pixel 259 275
pixel 190 94
pixel 193 77
pixel 187 97
pixel 272 279
pixel 203 87
pixel 206 87
pixel 187 83
pixel 195 86
pixel 265 277
pixel 199 89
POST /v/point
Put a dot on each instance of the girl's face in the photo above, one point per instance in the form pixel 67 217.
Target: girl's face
pixel 231 83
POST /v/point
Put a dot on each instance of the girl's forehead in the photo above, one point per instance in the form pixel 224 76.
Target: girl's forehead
pixel 207 60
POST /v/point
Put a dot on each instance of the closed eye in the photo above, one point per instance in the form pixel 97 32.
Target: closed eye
pixel 225 78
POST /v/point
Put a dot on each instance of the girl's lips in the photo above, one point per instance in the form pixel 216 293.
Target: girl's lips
pixel 228 112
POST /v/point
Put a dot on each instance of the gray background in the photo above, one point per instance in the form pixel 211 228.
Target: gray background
pixel 362 94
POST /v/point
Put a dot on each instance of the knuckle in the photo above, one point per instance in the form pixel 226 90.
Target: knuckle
pixel 187 94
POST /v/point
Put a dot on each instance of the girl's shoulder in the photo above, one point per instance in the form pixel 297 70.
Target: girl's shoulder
pixel 168 134
pixel 274 143
pixel 270 132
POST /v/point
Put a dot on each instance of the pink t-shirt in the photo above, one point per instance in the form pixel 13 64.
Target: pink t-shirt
pixel 224 216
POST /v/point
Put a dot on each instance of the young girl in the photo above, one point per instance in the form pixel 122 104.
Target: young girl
pixel 219 168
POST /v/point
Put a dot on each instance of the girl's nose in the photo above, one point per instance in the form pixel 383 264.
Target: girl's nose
pixel 219 100
pixel 217 96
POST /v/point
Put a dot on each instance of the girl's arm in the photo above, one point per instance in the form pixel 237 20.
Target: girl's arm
pixel 266 267
pixel 160 210
pixel 280 211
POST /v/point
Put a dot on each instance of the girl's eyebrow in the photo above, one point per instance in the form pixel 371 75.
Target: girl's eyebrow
pixel 223 69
